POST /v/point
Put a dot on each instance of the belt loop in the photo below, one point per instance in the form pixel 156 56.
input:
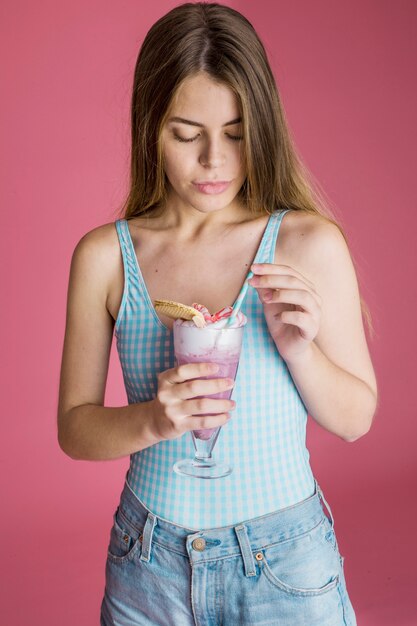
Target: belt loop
pixel 243 539
pixel 321 496
pixel 147 537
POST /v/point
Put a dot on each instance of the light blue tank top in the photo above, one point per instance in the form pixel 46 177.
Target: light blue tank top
pixel 265 441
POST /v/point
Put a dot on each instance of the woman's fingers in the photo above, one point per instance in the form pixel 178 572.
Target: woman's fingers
pixel 276 281
pixel 300 297
pixel 187 371
pixel 189 381
pixel 284 283
pixel 280 270
pixel 300 319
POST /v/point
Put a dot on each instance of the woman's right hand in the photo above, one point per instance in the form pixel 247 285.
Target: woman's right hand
pixel 176 409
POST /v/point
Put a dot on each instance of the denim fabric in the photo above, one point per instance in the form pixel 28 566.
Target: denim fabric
pixel 282 569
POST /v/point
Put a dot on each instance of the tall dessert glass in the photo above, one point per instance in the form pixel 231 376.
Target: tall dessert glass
pixel 210 344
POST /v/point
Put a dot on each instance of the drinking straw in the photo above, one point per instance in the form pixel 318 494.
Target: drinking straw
pixel 239 300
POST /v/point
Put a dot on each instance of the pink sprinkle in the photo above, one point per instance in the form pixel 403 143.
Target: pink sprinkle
pixel 222 314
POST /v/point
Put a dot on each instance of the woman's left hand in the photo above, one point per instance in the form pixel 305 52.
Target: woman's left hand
pixel 292 312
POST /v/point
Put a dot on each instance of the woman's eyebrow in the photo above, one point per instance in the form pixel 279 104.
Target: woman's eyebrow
pixel 191 123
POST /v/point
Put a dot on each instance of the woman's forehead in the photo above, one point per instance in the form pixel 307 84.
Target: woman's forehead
pixel 202 100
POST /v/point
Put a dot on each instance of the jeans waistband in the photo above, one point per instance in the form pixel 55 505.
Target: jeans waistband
pixel 243 538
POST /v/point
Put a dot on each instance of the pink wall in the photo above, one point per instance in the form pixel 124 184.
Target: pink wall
pixel 346 72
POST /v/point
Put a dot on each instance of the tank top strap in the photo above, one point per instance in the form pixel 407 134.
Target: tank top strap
pixel 128 255
pixel 266 250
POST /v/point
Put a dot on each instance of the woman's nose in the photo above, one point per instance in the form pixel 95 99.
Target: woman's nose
pixel 212 155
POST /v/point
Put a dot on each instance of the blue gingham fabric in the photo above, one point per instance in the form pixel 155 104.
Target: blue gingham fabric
pixel 265 441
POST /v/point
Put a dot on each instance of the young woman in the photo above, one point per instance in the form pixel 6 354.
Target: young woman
pixel 216 190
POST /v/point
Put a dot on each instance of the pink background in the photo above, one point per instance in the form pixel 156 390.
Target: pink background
pixel 346 72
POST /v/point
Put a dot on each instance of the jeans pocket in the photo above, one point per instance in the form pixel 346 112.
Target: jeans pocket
pixel 125 539
pixel 306 565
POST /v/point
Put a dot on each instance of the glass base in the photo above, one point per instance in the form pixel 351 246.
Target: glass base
pixel 202 468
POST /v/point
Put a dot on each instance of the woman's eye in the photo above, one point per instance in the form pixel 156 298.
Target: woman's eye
pixel 182 139
pixel 233 137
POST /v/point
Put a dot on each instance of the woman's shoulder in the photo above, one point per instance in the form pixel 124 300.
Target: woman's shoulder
pixel 304 234
pixel 100 243
pixel 98 253
pixel 311 243
pixel 300 223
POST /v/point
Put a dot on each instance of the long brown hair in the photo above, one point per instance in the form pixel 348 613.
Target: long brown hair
pixel 220 41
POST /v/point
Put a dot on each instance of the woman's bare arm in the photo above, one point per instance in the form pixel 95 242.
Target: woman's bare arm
pixel 86 429
pixel 335 376
pixel 313 314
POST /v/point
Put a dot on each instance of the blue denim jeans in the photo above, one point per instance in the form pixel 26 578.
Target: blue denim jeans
pixel 282 569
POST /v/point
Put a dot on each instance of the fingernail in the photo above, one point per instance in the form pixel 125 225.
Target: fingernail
pixel 268 295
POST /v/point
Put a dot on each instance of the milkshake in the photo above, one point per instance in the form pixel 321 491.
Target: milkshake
pixel 211 344
pixel 200 337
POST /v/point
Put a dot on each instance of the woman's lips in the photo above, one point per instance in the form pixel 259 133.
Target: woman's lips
pixel 211 188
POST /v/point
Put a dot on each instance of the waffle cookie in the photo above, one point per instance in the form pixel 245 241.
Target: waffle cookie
pixel 176 311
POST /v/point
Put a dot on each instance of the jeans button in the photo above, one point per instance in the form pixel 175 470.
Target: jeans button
pixel 199 544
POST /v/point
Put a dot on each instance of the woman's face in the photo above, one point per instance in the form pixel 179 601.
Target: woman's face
pixel 209 147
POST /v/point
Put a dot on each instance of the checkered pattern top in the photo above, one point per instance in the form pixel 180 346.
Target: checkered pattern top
pixel 265 441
